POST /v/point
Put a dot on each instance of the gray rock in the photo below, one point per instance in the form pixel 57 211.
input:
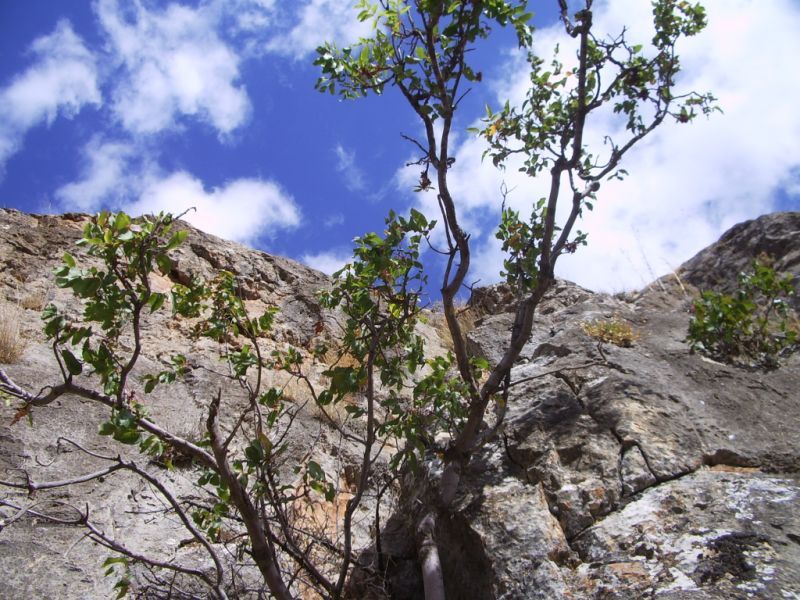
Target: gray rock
pixel 716 533
pixel 612 446
pixel 632 472
pixel 42 559
pixel 717 267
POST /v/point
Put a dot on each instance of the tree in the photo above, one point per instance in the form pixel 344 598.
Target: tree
pixel 421 48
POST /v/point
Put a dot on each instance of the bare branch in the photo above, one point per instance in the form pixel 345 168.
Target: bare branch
pixel 54 392
pixel 260 548
pixel 33 486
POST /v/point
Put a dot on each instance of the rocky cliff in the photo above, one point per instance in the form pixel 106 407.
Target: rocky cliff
pixel 39 558
pixel 622 472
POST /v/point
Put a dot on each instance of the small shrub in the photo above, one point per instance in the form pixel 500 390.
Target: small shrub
pixel 11 343
pixel 613 331
pixel 754 323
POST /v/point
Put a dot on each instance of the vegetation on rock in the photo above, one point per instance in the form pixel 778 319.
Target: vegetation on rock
pixel 755 324
pixel 612 331
pixel 11 342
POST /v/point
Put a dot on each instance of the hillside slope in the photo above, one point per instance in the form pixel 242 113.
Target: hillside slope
pixel 632 472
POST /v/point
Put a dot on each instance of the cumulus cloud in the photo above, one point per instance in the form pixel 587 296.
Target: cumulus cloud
pixel 687 184
pixel 318 21
pixel 125 176
pixel 61 81
pixel 106 176
pixel 173 64
pixel 244 210
pixel 328 261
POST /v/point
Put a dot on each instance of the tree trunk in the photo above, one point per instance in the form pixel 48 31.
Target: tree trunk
pixel 432 577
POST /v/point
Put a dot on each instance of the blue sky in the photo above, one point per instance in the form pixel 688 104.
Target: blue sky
pixel 148 106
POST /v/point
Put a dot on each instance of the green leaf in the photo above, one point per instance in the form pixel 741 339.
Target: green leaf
pixel 122 221
pixel 176 240
pixel 122 588
pixel 164 264
pixel 156 301
pixel 73 365
pixel 480 363
pixel 127 436
pixel 106 428
pixel 315 470
pixel 265 443
pixel 354 411
pixel 115 560
pixel 49 312
pixel 254 454
pixel 330 493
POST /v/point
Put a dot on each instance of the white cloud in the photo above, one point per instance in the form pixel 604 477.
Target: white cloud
pixel 249 16
pixel 319 21
pixel 791 183
pixel 687 184
pixel 328 261
pixel 125 176
pixel 333 220
pixel 346 165
pixel 62 80
pixel 244 210
pixel 174 64
pixel 106 177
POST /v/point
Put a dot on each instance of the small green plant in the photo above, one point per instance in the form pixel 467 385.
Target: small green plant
pixel 756 323
pixel 613 331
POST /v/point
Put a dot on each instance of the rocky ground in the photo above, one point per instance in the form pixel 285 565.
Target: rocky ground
pixel 622 472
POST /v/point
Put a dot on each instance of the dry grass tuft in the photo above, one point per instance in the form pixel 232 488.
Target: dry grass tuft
pixel 33 301
pixel 612 331
pixel 11 342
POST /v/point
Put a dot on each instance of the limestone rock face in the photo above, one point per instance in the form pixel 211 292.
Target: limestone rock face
pixel 39 559
pixel 643 471
pixel 621 472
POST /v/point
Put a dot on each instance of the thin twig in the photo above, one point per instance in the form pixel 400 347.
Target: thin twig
pixel 544 374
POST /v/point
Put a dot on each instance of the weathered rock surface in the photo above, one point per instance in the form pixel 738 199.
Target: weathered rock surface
pixel 718 266
pixel 644 471
pixel 621 472
pixel 40 559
